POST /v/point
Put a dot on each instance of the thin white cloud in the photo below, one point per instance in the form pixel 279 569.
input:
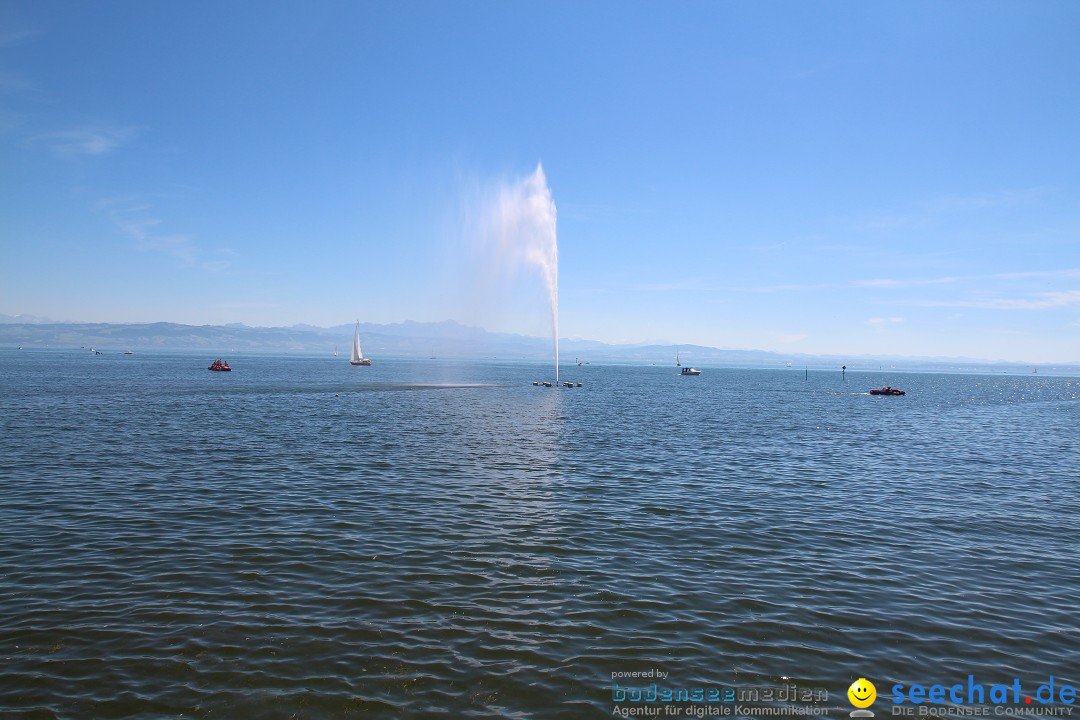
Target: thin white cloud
pixel 1039 301
pixel 677 286
pixel 178 246
pixel 215 266
pixel 86 141
pixel 132 218
pixel 795 287
pixel 904 282
pixel 1067 273
pixel 881 323
pixel 142 231
pixel 935 209
pixel 982 201
pixel 10 38
pixel 899 283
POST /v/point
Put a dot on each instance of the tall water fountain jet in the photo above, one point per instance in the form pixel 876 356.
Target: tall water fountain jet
pixel 521 229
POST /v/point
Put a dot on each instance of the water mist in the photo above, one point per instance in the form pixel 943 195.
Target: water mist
pixel 521 230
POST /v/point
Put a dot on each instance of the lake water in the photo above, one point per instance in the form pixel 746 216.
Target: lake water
pixel 299 538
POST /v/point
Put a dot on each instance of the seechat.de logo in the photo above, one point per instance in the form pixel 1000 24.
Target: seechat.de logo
pixel 862 694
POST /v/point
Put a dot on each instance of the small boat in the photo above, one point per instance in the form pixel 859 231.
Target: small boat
pixel 677 363
pixel 219 365
pixel 357 356
pixel 128 352
pixel 690 371
pixel 887 391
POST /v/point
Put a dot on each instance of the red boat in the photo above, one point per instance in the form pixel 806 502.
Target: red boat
pixel 887 391
pixel 219 366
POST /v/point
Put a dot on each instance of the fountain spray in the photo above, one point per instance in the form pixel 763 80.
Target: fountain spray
pixel 522 229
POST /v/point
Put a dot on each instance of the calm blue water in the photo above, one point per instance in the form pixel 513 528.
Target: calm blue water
pixel 300 538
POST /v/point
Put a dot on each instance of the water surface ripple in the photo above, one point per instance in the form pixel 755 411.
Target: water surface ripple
pixel 304 539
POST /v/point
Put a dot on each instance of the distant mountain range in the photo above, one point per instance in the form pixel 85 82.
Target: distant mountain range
pixel 446 339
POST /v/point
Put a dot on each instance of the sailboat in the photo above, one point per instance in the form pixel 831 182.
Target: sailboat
pixel 686 370
pixel 357 357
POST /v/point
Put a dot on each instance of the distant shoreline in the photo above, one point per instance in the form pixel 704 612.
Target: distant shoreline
pixel 443 339
pixel 821 365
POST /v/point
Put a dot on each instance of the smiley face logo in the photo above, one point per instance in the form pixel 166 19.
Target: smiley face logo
pixel 862 693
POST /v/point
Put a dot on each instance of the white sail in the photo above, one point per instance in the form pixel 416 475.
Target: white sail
pixel 356 355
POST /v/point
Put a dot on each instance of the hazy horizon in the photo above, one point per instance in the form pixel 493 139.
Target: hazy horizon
pixel 885 179
pixel 575 342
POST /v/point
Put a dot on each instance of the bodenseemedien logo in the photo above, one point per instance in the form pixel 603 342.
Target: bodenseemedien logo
pixel 862 694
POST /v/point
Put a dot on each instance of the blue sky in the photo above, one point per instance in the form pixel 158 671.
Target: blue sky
pixel 831 177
